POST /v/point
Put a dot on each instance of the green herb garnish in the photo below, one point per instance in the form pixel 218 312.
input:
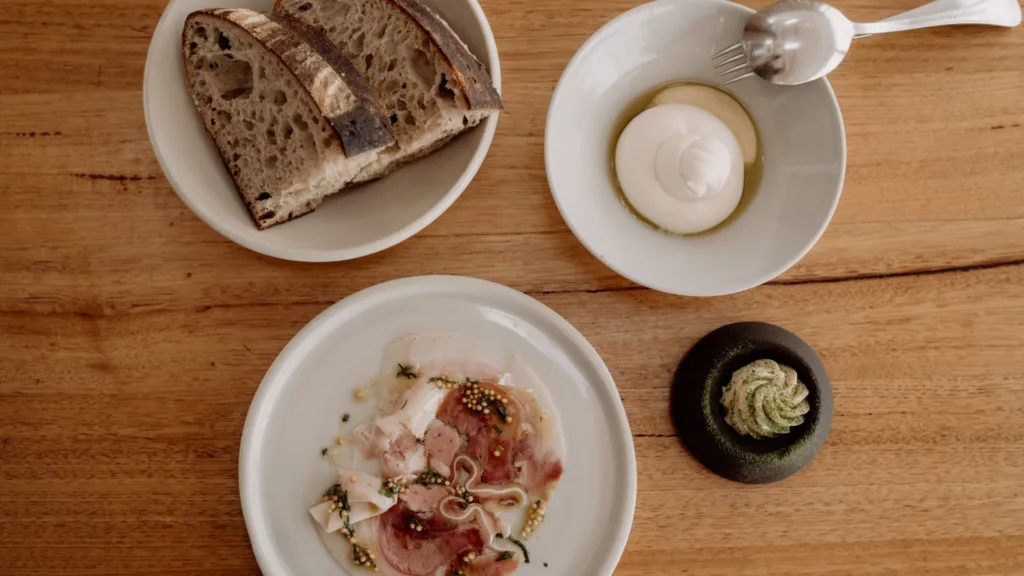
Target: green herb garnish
pixel 361 556
pixel 506 555
pixel 344 417
pixel 407 371
pixel 323 452
pixel 497 428
pixel 461 492
pixel 526 555
pixel 443 379
pixel 415 523
pixel 499 407
pixel 335 492
pixel 428 477
pixel 389 488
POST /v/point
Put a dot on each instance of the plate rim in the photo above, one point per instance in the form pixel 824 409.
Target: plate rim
pixel 275 380
pixel 266 245
pixel 564 210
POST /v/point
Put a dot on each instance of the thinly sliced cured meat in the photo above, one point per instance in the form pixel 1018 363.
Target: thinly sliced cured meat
pixel 495 455
pixel 419 405
pixel 455 414
pixel 403 457
pixel 508 448
pixel 463 460
pixel 509 495
pixel 422 553
pixel 537 472
pixel 370 440
pixel 492 565
pixel 425 498
pixel 442 442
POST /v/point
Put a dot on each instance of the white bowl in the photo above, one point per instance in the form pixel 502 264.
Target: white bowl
pixel 354 223
pixel 296 411
pixel 800 126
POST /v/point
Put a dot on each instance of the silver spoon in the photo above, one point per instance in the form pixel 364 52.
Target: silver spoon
pixel 797 41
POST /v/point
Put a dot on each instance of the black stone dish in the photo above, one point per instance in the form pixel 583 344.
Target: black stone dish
pixel 700 417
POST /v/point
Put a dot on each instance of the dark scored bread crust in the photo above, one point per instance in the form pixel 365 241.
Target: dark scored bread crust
pixel 471 75
pixel 469 72
pixel 365 126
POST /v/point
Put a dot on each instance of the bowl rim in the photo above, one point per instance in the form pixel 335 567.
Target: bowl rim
pixel 563 209
pixel 266 245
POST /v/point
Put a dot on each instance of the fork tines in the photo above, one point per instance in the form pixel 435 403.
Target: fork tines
pixel 735 56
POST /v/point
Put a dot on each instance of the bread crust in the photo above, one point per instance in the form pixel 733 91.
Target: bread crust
pixel 261 225
pixel 359 129
pixel 471 75
pixel 365 126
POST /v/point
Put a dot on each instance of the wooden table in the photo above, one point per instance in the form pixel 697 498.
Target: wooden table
pixel 132 336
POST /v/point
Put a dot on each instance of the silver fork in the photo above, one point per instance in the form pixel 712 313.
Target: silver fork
pixel 735 56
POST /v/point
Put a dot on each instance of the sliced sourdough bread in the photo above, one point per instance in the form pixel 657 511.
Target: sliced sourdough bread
pixel 430 83
pixel 291 117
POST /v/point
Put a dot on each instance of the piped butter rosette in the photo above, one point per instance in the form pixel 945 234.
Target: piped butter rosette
pixel 765 399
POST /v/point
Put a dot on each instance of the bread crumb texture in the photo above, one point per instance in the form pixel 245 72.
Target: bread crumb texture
pixel 282 154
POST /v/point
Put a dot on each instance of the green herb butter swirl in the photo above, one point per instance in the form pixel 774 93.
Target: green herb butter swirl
pixel 765 399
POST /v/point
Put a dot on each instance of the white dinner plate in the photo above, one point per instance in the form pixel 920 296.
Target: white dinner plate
pixel 297 408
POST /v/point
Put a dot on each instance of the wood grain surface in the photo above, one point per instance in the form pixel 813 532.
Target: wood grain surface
pixel 132 336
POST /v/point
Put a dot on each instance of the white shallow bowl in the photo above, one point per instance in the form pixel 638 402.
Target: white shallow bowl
pixel 311 383
pixel 801 129
pixel 354 223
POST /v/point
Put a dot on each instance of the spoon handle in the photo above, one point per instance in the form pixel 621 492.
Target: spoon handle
pixel 934 7
pixel 1005 13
